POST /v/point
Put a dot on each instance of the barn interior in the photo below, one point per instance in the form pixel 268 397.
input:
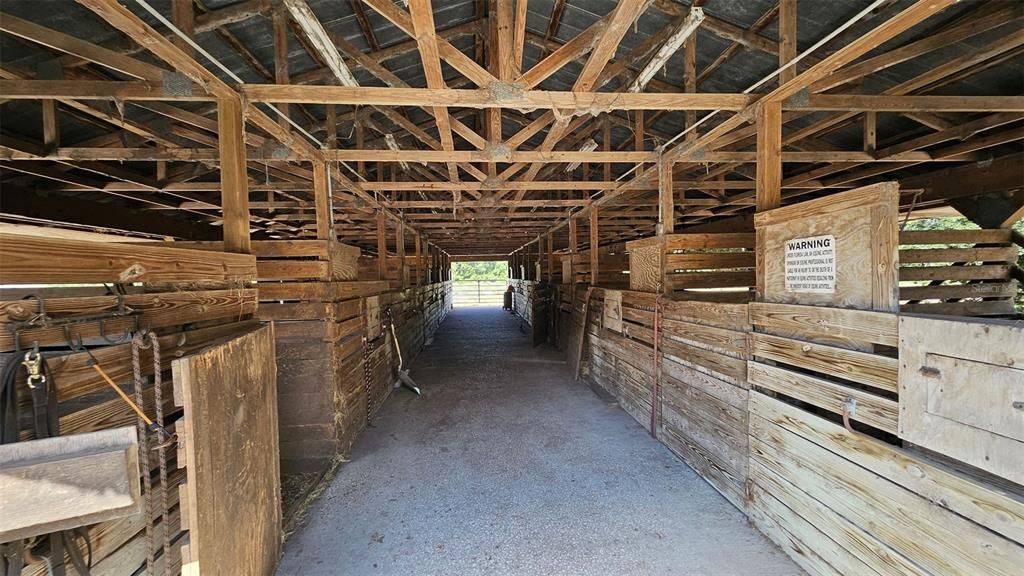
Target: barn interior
pixel 764 265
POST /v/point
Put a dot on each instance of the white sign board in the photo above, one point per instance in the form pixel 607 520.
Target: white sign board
pixel 811 264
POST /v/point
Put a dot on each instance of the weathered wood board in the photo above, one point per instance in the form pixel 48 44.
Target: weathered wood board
pixel 67 482
pixel 233 508
pixel 962 391
pixel 862 226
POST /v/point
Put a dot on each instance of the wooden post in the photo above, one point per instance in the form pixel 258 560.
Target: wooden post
pixel 280 23
pixel 769 156
pixel 51 132
pixel 638 139
pixel 184 19
pixel 540 257
pixel 572 253
pixel 233 179
pixel 690 82
pixel 666 202
pixel 324 205
pixel 787 39
pixel 870 131
pixel 593 246
pixel 419 259
pixel 400 251
pixel 551 258
pixel 382 246
pixel 606 145
pixel 332 126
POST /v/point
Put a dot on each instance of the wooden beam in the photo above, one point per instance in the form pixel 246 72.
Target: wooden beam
pixel 622 17
pixel 280 34
pixel 324 206
pixel 769 156
pixel 686 29
pixel 184 18
pixel 870 131
pixel 787 39
pixel 455 57
pixel 233 178
pixel 666 200
pixel 594 260
pixel 321 42
pixel 426 37
pixel 382 246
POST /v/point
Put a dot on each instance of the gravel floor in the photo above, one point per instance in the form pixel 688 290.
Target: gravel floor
pixel 507 466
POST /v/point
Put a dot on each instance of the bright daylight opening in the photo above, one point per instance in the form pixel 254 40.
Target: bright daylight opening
pixel 479 283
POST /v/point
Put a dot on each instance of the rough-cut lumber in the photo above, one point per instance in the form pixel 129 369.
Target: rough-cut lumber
pixel 229 395
pixel 35 260
pixel 67 482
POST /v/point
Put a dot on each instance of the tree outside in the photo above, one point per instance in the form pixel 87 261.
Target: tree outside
pixel 497 270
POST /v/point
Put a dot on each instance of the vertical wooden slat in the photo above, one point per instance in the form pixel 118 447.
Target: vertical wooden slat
pixel 870 131
pixel 769 156
pixel 666 202
pixel 690 82
pixel 280 21
pixel 184 19
pixel 606 145
pixel 593 246
pixel 419 259
pixel 233 178
pixel 400 250
pixel 382 246
pixel 51 130
pixel 551 257
pixel 322 198
pixel 787 39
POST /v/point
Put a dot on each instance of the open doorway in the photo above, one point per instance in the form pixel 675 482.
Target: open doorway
pixel 479 283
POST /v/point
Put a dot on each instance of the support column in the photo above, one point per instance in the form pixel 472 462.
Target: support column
pixel 419 259
pixel 594 271
pixel 400 251
pixel 769 156
pixel 234 182
pixel 382 246
pixel 280 23
pixel 787 39
pixel 572 254
pixel 666 201
pixel 322 198
pixel 551 258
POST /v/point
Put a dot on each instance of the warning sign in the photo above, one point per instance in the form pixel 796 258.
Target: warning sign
pixel 811 264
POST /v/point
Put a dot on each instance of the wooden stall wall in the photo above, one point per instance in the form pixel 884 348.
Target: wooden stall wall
pixel 704 390
pixel 959 272
pixel 703 266
pixel 188 299
pixel 829 480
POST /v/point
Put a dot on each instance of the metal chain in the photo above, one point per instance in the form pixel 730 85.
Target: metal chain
pixel 367 348
pixel 147 489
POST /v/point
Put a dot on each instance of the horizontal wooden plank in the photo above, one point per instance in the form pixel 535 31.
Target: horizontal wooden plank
pixel 987 308
pixel 67 482
pixel 37 260
pixel 930 536
pixel 934 273
pixel 157 310
pixel 1000 509
pixel 957 291
pixel 323 291
pixel 924 237
pixel 870 369
pixel 723 315
pixel 871 409
pixel 719 365
pixel 682 281
pixel 728 342
pixel 709 260
pixel 723 240
pixel 936 255
pixel 292 270
pixel 836 324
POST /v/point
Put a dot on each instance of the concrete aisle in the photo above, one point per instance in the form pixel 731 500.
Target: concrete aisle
pixel 507 466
